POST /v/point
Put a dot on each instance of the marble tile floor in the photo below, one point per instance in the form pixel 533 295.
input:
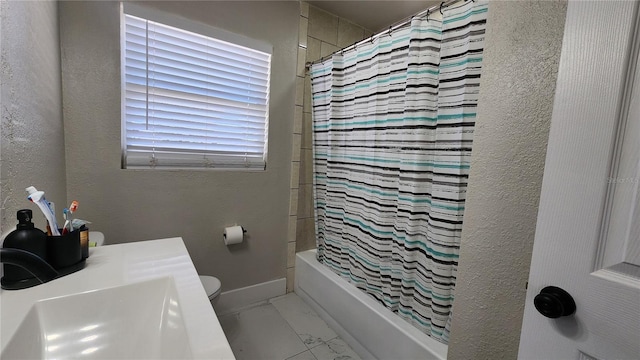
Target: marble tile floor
pixel 283 328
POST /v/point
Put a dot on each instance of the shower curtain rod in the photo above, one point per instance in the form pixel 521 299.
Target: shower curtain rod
pixel 400 24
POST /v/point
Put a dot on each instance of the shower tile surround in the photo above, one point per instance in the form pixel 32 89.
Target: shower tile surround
pixel 320 34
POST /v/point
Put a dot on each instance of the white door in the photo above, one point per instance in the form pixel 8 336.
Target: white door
pixel 587 235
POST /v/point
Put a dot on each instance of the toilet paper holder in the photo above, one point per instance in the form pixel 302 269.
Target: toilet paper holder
pixel 233 235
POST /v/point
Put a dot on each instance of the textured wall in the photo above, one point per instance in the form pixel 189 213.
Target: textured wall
pixel 32 135
pixel 131 205
pixel 520 67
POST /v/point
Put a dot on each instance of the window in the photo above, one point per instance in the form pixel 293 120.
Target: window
pixel 191 100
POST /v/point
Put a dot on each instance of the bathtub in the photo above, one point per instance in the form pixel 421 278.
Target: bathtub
pixel 372 330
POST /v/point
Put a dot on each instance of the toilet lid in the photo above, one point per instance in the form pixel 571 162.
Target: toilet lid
pixel 211 285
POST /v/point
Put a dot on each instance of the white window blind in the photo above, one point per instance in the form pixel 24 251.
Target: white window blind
pixel 192 101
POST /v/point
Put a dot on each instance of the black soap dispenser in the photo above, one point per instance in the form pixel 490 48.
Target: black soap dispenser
pixel 24 237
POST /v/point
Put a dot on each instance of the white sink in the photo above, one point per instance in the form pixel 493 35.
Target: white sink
pixel 136 321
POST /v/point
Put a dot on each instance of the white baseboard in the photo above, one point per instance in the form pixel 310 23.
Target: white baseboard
pixel 234 300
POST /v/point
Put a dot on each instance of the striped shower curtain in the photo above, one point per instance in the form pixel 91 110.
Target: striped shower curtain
pixel 393 129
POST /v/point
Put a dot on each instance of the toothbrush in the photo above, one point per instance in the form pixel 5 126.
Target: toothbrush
pixel 73 207
pixel 68 214
pixel 67 222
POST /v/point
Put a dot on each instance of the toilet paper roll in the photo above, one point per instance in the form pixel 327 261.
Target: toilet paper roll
pixel 233 235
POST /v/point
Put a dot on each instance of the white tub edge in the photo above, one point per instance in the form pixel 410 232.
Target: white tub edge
pixel 368 327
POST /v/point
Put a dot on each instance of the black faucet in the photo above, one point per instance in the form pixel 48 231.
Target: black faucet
pixel 30 262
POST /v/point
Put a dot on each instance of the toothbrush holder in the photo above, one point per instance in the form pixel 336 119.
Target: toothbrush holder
pixel 69 249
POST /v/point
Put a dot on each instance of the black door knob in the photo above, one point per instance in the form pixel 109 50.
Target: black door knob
pixel 554 302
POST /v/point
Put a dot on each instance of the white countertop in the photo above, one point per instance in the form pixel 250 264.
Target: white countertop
pixel 121 264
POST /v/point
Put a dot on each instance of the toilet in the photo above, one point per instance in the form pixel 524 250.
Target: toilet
pixel 212 287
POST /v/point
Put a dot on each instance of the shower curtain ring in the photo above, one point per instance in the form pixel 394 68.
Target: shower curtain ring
pixel 371 39
pixel 390 27
pixel 427 15
pixel 442 3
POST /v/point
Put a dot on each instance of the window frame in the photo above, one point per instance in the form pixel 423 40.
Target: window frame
pixel 194 26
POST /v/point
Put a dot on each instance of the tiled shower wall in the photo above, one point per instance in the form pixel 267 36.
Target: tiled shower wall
pixel 320 34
